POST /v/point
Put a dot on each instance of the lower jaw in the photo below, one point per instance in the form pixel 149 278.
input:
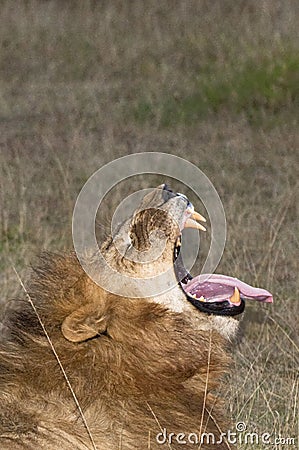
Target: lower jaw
pixel 220 308
pixel 217 308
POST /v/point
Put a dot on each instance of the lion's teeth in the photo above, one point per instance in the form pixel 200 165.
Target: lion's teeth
pixel 201 298
pixel 190 223
pixel 196 216
pixel 235 298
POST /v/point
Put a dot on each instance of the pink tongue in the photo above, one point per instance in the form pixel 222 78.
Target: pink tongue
pixel 215 285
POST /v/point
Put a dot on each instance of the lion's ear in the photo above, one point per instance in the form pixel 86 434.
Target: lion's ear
pixel 84 323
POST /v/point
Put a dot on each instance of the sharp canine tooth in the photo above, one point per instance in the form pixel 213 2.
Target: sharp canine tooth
pixel 196 216
pixel 235 298
pixel 190 223
pixel 201 298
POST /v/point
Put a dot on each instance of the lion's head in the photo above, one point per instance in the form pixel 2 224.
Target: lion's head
pixel 143 259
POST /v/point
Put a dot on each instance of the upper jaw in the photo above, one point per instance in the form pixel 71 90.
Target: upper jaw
pixel 187 217
pixel 192 218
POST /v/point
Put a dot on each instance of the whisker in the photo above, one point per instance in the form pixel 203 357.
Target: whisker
pixel 219 429
pixel 158 423
pixel 206 387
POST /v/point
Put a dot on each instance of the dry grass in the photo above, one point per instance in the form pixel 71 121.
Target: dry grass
pixel 82 83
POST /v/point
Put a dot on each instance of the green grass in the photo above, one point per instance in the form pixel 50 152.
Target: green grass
pixel 261 91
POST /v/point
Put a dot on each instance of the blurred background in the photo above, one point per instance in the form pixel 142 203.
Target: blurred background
pixel 217 83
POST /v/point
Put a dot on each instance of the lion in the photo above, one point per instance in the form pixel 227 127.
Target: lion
pixel 140 367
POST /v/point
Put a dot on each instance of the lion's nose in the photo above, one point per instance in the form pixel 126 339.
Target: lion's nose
pixel 176 194
pixel 189 204
pixel 182 195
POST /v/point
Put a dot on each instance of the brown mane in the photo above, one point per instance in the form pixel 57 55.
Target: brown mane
pixel 146 369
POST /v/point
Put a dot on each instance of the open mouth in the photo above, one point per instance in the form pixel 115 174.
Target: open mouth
pixel 213 293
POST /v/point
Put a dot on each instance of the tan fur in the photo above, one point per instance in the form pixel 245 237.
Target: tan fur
pixel 136 364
